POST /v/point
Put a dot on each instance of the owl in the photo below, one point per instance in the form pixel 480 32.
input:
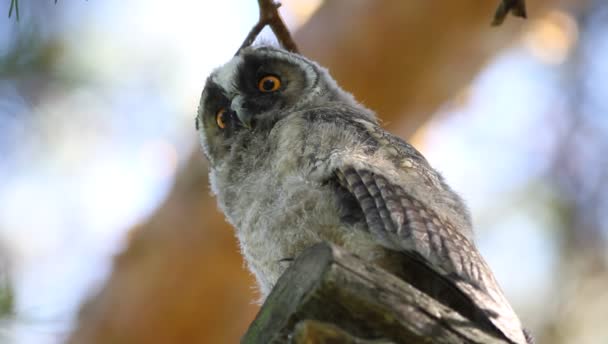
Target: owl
pixel 295 160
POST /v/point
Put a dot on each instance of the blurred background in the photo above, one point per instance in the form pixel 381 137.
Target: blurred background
pixel 108 232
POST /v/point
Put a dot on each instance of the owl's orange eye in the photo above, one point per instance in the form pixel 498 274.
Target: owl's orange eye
pixel 220 118
pixel 269 83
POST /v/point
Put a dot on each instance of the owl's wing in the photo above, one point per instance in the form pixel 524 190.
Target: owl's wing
pixel 400 222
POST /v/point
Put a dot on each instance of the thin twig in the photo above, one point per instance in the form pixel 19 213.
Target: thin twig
pixel 516 7
pixel 15 5
pixel 269 15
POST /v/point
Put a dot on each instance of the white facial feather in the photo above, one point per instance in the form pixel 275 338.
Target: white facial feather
pixel 225 75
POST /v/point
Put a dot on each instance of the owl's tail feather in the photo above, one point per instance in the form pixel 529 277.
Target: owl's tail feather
pixel 469 302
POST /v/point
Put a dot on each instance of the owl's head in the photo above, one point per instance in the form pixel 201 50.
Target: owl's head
pixel 256 89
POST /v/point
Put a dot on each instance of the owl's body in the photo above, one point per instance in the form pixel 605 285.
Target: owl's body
pixel 303 162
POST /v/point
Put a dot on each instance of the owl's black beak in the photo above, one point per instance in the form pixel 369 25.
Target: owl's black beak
pixel 245 117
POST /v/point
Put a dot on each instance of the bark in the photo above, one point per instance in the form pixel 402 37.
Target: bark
pixel 329 294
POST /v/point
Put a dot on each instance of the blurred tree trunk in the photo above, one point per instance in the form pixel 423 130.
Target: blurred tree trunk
pixel 181 279
pixel 403 59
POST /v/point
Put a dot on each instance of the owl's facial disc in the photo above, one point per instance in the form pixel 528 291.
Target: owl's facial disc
pixel 251 93
pixel 262 83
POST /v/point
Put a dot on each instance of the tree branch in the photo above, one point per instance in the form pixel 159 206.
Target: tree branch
pixel 516 7
pixel 269 15
pixel 15 5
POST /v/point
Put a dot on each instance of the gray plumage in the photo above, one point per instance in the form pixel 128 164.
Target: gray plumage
pixel 295 160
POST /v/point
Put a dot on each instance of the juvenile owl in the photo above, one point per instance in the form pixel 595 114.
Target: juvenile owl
pixel 295 160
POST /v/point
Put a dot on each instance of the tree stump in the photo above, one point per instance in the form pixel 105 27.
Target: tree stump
pixel 331 296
